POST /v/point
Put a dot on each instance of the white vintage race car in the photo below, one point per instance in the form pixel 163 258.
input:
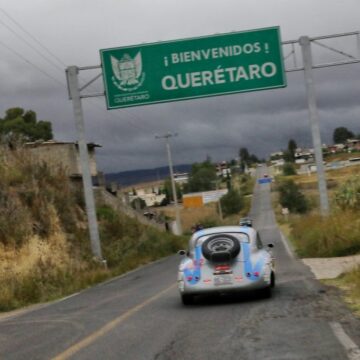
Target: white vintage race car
pixel 225 259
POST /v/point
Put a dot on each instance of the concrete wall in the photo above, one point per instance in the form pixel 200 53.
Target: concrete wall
pixel 62 154
pixel 118 205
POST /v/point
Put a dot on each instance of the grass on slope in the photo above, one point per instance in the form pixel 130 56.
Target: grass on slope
pixel 44 245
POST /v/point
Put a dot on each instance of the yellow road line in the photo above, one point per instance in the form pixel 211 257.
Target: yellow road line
pixel 106 328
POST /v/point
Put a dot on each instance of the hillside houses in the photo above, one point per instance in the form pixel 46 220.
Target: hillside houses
pixel 305 158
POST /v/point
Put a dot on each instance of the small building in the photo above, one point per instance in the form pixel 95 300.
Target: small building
pixel 181 178
pixel 62 154
pixel 304 155
pixel 199 199
pixel 276 155
pixel 150 192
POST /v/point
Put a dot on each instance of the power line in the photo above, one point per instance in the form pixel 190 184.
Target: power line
pixel 32 37
pixel 28 44
pixel 135 125
pixel 32 64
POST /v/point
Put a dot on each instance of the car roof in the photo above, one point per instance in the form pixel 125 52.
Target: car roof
pixel 251 232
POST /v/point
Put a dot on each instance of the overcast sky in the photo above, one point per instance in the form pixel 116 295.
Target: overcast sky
pixel 39 38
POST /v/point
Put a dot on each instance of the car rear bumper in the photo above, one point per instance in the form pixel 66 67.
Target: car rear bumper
pixel 209 287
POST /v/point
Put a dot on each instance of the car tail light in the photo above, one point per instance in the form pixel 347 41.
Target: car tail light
pixel 222 267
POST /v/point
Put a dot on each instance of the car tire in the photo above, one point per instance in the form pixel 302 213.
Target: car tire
pixel 220 248
pixel 187 299
pixel 272 280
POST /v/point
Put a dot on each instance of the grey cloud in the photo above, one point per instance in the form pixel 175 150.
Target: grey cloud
pixel 262 121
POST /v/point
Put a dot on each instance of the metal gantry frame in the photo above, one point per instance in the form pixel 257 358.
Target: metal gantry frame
pixel 307 65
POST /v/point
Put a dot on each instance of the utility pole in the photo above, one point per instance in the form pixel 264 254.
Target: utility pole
pixel 305 44
pixel 177 212
pixel 74 92
pixel 219 200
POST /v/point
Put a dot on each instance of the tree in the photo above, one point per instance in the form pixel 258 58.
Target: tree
pixel 244 155
pixel 168 191
pixel 253 159
pixel 246 159
pixel 228 181
pixel 341 134
pixel 292 146
pixel 232 202
pixel 24 124
pixel 289 169
pixel 202 177
pixel 292 198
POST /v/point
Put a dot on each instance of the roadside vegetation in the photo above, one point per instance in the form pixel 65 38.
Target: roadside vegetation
pixel 349 284
pixel 44 243
pixel 312 235
pixel 44 246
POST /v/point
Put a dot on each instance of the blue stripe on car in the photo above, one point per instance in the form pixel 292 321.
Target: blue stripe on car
pixel 249 270
pixel 195 274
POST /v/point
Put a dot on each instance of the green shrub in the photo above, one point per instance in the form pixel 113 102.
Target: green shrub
pixel 289 169
pixel 292 198
pixel 232 202
pixel 246 184
pixel 209 222
pixel 124 240
pixel 348 194
pixel 138 203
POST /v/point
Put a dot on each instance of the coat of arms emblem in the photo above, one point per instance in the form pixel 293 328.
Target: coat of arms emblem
pixel 128 74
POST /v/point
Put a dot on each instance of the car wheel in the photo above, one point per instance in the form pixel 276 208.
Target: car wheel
pixel 272 280
pixel 219 248
pixel 187 299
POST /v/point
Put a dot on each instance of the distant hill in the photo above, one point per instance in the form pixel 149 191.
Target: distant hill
pixel 126 178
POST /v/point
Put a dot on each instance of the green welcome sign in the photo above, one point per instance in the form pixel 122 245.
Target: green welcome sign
pixel 193 68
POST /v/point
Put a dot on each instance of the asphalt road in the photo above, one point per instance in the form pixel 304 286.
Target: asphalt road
pixel 140 316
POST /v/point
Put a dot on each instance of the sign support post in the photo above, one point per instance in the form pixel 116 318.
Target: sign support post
pixel 73 84
pixel 304 42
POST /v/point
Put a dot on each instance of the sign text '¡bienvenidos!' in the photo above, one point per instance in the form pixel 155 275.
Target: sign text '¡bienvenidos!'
pixel 216 53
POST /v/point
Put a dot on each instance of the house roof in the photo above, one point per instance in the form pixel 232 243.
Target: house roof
pixel 37 143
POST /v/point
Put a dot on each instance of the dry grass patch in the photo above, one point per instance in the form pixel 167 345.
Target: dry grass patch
pixel 349 283
pixel 206 215
pixel 335 235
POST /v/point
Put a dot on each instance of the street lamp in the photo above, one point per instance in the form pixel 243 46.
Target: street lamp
pixel 177 212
